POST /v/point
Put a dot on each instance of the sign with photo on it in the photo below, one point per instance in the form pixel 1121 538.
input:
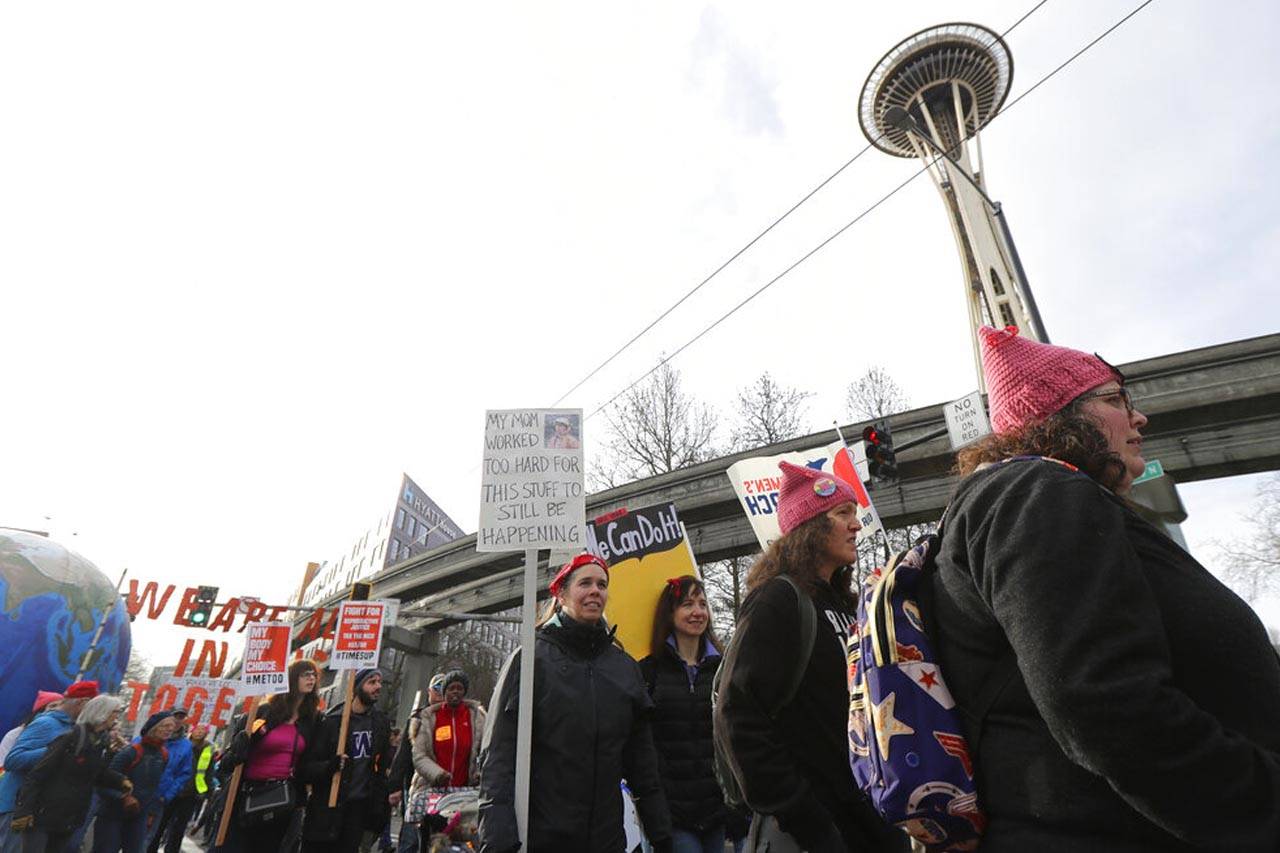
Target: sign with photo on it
pixel 531 487
pixel 357 639
pixel 265 669
pixel 643 548
pixel 757 482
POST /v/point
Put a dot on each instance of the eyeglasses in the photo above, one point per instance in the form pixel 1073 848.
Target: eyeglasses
pixel 1122 393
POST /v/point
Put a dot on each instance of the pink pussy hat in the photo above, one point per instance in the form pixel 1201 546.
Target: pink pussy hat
pixel 806 492
pixel 1028 381
pixel 44 697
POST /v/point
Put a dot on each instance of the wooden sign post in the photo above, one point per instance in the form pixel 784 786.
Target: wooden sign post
pixel 233 787
pixel 359 592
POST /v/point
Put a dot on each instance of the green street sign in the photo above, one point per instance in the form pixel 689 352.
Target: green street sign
pixel 1154 469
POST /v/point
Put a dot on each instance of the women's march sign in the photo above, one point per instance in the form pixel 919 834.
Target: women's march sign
pixel 531 493
pixel 757 481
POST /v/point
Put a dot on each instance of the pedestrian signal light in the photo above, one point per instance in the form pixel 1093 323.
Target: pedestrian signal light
pixel 205 598
pixel 882 465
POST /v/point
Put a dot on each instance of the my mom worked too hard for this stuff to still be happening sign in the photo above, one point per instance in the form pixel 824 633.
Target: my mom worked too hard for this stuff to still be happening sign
pixel 531 493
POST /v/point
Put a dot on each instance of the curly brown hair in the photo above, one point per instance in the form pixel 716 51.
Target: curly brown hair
pixel 1068 434
pixel 664 617
pixel 799 553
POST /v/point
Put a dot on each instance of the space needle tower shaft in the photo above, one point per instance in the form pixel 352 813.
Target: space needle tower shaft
pixel 928 99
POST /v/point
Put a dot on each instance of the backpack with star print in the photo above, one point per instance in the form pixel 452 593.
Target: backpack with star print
pixel 907 744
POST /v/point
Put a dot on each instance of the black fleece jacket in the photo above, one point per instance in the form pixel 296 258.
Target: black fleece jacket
pixel 796 766
pixel 1145 714
pixel 682 735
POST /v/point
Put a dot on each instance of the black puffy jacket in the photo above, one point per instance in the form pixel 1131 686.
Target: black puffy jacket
pixel 590 731
pixel 58 789
pixel 682 735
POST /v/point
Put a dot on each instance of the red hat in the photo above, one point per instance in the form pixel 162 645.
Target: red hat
pixel 576 562
pixel 82 690
pixel 1028 381
pixel 44 697
pixel 807 492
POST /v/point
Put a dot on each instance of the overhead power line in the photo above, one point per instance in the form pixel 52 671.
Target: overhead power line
pixel 665 359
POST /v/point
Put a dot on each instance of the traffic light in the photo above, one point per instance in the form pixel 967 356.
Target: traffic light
pixel 882 465
pixel 205 598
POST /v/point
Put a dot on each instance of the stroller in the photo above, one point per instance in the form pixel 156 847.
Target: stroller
pixel 451 821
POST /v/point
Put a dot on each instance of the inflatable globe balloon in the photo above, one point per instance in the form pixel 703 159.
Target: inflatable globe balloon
pixel 51 601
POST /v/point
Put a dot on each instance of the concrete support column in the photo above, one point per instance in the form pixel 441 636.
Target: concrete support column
pixel 420 664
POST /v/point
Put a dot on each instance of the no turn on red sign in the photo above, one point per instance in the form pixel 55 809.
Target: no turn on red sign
pixel 967 420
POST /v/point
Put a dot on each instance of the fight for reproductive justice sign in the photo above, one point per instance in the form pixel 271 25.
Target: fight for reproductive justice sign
pixel 357 639
pixel 531 493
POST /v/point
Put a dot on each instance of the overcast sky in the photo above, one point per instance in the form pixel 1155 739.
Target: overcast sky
pixel 258 259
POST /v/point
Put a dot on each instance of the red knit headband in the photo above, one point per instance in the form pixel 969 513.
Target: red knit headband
pixel 576 563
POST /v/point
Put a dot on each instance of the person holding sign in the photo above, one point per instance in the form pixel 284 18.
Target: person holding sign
pixel 363 761
pixel 787 737
pixel 271 752
pixel 590 731
pixel 1140 702
pixel 678 672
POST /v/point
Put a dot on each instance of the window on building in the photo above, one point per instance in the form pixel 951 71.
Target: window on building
pixel 399 519
pixel 395 548
pixel 1006 314
pixel 996 284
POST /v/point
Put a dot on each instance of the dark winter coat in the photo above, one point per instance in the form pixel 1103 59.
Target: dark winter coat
pixel 682 735
pixel 1145 712
pixel 58 789
pixel 318 764
pixel 795 764
pixel 144 763
pixel 590 730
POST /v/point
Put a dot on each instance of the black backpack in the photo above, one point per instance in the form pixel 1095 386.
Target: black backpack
pixel 808 631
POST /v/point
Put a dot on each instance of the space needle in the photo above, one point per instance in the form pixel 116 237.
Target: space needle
pixel 929 98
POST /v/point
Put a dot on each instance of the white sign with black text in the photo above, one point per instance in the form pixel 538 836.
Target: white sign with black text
pixel 967 420
pixel 531 492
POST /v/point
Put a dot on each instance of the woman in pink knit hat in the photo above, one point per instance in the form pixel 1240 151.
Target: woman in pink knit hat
pixel 1132 702
pixel 783 702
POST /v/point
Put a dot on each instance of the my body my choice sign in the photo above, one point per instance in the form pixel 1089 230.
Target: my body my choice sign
pixel 531 493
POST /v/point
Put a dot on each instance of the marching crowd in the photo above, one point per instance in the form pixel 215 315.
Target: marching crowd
pixel 1113 695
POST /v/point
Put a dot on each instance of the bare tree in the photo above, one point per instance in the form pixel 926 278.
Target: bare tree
pixel 139 666
pixel 1251 565
pixel 654 429
pixel 726 583
pixel 767 413
pixel 874 395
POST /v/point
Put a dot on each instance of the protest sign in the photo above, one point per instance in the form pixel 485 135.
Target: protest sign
pixel 643 548
pixel 757 481
pixel 966 420
pixel 531 493
pixel 358 638
pixel 266 659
